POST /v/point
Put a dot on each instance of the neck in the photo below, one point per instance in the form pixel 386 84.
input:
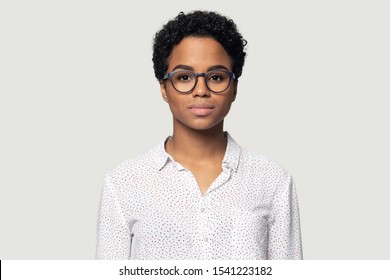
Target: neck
pixel 196 146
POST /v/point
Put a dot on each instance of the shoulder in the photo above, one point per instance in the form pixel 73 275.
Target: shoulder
pixel 254 164
pixel 272 176
pixel 262 164
pixel 134 169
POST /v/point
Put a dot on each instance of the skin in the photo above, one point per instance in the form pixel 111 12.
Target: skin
pixel 198 141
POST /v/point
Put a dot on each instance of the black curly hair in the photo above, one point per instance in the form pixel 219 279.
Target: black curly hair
pixel 198 24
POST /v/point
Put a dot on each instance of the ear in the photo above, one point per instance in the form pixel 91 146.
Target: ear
pixel 235 90
pixel 163 90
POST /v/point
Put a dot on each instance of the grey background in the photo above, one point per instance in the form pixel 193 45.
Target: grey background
pixel 78 96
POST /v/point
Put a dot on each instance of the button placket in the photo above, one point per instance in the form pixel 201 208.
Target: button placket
pixel 204 230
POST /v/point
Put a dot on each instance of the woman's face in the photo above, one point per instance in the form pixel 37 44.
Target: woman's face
pixel 200 109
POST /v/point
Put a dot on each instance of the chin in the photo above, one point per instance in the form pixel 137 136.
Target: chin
pixel 203 125
pixel 198 123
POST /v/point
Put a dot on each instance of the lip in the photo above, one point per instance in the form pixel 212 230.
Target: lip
pixel 201 109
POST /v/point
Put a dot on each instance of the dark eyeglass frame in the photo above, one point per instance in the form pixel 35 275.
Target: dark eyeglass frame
pixel 169 76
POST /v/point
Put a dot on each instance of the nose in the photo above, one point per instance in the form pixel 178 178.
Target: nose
pixel 201 88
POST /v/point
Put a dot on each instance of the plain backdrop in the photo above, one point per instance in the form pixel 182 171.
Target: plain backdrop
pixel 79 96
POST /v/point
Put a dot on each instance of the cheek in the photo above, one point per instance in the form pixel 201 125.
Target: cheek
pixel 228 102
pixel 227 108
pixel 224 109
pixel 174 104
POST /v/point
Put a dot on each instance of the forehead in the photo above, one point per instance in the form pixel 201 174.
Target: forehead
pixel 199 53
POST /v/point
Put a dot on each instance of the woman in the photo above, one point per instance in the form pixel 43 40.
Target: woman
pixel 199 195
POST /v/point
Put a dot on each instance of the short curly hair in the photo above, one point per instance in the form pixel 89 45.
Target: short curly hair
pixel 198 24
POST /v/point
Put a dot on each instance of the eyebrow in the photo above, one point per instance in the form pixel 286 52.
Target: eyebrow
pixel 190 68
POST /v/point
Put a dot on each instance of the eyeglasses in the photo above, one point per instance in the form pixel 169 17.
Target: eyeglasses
pixel 185 81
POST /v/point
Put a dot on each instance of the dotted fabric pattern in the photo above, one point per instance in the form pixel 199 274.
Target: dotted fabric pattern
pixel 152 208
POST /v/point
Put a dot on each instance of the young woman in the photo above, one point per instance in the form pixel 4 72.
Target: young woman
pixel 199 195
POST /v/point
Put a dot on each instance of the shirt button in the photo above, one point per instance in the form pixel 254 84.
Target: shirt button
pixel 202 209
pixel 205 239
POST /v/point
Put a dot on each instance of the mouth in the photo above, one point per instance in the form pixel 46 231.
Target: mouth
pixel 201 110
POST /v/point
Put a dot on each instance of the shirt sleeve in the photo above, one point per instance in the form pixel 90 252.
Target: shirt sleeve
pixel 113 233
pixel 284 233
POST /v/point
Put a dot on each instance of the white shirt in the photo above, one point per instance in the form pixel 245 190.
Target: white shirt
pixel 152 208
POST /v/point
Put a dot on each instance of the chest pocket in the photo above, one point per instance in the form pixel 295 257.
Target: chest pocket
pixel 249 234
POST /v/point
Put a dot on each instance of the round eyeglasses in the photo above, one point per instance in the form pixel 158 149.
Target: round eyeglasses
pixel 185 81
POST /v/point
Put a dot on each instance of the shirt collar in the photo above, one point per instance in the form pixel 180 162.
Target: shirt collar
pixel 232 154
pixel 230 161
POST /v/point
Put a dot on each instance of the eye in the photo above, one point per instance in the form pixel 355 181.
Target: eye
pixel 217 77
pixel 183 77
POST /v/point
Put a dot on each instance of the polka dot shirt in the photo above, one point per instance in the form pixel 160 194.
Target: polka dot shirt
pixel 152 208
